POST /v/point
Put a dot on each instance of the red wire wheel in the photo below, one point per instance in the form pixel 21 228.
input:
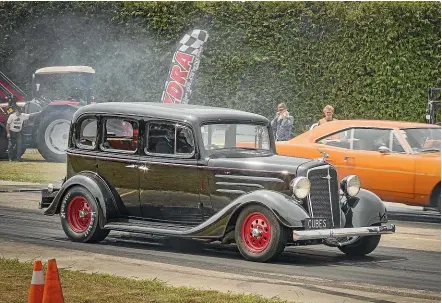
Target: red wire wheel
pixel 256 232
pixel 79 214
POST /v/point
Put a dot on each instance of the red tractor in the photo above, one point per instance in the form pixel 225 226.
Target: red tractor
pixel 57 92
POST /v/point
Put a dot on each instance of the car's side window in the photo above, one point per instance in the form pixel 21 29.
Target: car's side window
pixel 87 134
pixel 370 139
pixel 169 139
pixel 120 135
pixel 339 139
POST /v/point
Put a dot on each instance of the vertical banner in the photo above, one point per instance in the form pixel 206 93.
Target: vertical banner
pixel 185 63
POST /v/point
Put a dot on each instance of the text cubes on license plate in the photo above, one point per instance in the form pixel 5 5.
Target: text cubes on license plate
pixel 317 223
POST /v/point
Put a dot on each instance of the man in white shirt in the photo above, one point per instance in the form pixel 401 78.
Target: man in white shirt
pixel 14 128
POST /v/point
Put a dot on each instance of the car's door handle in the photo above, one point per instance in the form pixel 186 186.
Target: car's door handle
pixel 348 157
pixel 132 166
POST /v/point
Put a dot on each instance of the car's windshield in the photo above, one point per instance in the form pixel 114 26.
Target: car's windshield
pixel 423 139
pixel 235 136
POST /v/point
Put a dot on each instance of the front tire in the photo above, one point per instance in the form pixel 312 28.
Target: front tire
pixel 259 235
pixel 362 246
pixel 53 135
pixel 80 216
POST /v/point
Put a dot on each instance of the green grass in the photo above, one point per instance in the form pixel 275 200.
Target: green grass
pixel 80 287
pixel 33 169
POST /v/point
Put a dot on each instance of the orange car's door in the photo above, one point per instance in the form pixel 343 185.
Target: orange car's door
pixel 389 172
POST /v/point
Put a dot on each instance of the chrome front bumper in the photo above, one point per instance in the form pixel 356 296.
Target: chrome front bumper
pixel 343 232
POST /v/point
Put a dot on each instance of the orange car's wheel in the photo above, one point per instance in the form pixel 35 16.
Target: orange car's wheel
pixel 435 198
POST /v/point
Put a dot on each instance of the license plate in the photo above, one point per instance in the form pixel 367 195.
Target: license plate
pixel 317 223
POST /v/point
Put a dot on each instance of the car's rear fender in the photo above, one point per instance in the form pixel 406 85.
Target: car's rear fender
pixel 364 210
pixel 98 187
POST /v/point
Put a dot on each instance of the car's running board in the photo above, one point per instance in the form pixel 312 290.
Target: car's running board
pixel 156 228
pixel 342 232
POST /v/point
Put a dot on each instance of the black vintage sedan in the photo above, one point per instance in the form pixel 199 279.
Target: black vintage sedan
pixel 187 171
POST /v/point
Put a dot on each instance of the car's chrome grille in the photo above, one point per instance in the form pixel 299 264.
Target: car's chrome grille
pixel 323 201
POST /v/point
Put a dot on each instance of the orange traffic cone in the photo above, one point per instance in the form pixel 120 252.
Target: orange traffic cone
pixel 37 283
pixel 52 290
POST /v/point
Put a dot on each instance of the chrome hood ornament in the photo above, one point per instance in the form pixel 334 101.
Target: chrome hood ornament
pixel 324 155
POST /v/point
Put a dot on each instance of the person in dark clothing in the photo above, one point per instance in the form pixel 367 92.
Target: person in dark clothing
pixel 14 128
pixel 282 124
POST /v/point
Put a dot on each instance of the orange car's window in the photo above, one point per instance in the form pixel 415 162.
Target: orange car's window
pixel 423 139
pixel 340 139
pixel 371 139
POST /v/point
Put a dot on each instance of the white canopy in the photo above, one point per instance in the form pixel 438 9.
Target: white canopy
pixel 64 70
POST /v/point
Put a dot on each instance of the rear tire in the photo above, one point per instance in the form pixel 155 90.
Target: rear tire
pixel 53 135
pixel 362 246
pixel 259 235
pixel 81 216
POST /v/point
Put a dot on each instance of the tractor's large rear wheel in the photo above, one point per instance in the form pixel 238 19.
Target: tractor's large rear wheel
pixel 53 135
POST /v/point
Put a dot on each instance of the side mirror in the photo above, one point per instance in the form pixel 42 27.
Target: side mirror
pixel 384 150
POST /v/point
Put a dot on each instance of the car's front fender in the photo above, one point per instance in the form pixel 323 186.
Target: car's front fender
pixel 285 208
pixel 366 209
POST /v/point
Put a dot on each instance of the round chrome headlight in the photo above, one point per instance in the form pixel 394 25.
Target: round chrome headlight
pixel 351 185
pixel 300 187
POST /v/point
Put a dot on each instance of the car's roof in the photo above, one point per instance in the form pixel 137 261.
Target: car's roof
pixel 377 123
pixel 336 125
pixel 183 112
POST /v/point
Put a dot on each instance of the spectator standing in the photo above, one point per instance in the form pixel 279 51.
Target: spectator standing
pixel 14 127
pixel 328 113
pixel 282 124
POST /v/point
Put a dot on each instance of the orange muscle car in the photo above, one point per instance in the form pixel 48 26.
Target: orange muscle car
pixel 399 161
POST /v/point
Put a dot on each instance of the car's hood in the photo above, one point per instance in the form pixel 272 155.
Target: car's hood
pixel 273 163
